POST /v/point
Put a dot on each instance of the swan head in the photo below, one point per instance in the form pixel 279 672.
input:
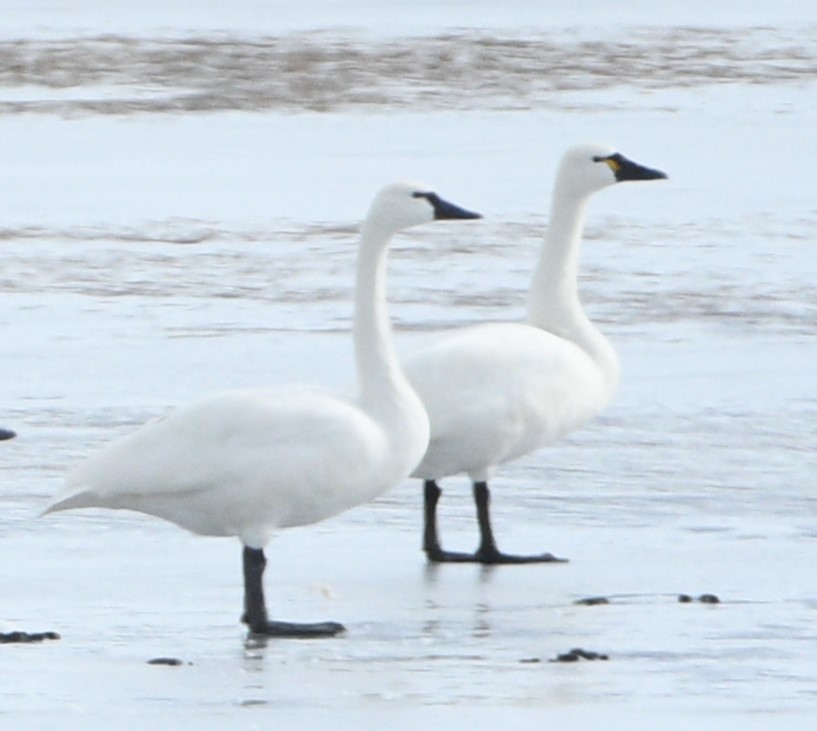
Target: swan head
pixel 402 205
pixel 587 168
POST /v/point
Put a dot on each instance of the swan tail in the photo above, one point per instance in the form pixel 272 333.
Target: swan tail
pixel 79 498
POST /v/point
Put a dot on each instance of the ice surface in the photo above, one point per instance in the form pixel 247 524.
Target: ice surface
pixel 58 18
pixel 149 255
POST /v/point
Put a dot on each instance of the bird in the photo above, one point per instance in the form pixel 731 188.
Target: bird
pixel 497 391
pixel 249 462
pixel 6 434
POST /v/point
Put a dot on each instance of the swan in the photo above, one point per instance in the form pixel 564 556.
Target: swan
pixel 247 462
pixel 495 392
pixel 6 434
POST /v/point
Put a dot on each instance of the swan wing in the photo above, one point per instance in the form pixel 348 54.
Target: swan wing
pixel 278 450
pixel 495 392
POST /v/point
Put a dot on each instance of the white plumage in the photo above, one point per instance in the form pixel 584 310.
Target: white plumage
pixel 495 392
pixel 246 463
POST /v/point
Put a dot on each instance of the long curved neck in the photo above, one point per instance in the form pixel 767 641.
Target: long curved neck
pixel 382 385
pixel 553 301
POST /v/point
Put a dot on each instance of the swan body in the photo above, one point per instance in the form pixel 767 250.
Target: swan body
pixel 495 392
pixel 555 387
pixel 248 462
pixel 290 456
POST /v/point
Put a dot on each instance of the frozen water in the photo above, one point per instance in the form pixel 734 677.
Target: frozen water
pixel 177 219
pixel 57 18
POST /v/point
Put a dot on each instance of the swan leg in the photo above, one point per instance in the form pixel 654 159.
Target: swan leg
pixel 255 608
pixel 431 542
pixel 488 553
pixel 6 434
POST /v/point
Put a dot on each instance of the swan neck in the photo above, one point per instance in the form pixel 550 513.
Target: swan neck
pixel 380 377
pixel 554 293
pixel 553 302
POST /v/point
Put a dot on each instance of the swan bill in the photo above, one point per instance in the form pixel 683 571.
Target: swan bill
pixel 444 210
pixel 625 169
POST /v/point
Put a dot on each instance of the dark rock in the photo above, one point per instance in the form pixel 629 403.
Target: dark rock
pixel 577 653
pixel 24 637
pixel 704 599
pixel 592 601
pixel 172 661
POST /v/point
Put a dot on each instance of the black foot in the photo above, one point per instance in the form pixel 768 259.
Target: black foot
pixel 298 631
pixel 6 434
pixel 255 611
pixel 489 558
pixel 487 554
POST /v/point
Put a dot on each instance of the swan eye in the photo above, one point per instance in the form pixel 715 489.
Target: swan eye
pixel 613 161
pixel 433 199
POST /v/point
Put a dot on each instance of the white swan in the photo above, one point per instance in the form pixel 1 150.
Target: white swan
pixel 495 392
pixel 6 434
pixel 247 462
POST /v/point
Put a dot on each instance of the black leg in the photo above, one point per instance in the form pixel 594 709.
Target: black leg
pixel 431 542
pixel 255 608
pixel 6 434
pixel 487 553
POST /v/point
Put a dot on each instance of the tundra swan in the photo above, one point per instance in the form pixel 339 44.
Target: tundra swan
pixel 247 462
pixel 495 392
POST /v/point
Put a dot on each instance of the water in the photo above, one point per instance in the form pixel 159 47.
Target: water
pixel 322 71
pixel 179 216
